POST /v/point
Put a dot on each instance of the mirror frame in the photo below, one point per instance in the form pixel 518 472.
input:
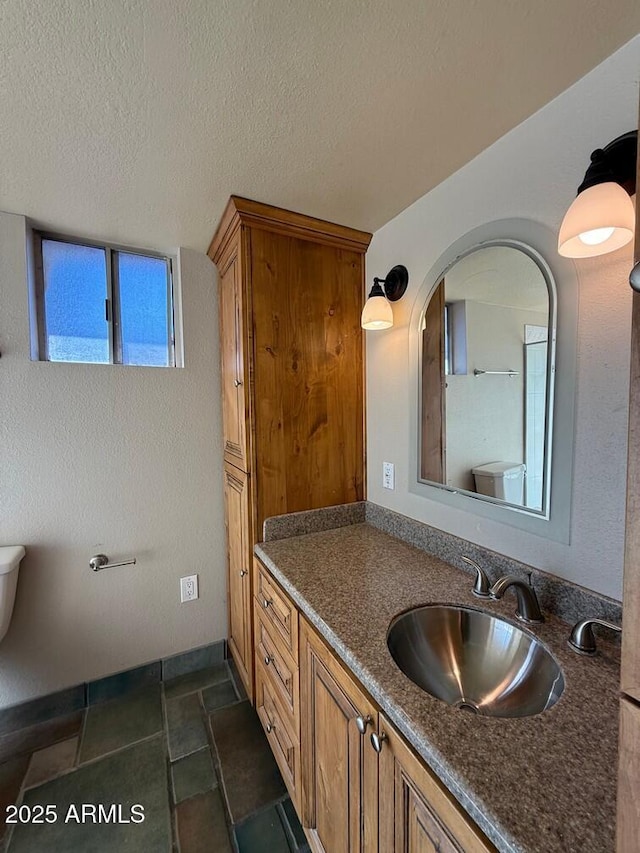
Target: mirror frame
pixel 539 243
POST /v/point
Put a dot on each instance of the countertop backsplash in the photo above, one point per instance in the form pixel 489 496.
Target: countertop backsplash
pixel 564 599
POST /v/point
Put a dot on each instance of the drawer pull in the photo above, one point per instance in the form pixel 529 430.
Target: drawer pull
pixel 362 723
pixel 266 602
pixel 243 572
pixel 377 740
pixel 268 659
pixel 237 382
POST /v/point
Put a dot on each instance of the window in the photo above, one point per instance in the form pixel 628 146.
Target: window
pixel 103 304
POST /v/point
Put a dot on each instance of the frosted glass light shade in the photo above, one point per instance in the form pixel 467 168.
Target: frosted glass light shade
pixel 376 314
pixel 600 220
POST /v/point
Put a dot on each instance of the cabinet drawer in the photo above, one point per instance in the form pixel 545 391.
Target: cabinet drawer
pixel 285 747
pixel 279 666
pixel 276 607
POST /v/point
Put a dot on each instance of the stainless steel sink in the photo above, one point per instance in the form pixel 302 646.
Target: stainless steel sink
pixel 475 661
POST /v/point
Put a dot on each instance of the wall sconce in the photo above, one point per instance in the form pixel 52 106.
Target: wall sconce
pixel 377 313
pixel 602 217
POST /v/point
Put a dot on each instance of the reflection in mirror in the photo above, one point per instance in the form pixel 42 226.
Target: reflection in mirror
pixel 487 373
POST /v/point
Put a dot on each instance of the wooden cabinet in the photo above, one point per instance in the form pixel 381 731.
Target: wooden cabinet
pixel 417 814
pixel 339 766
pixel 628 778
pixel 239 558
pixel 278 676
pixel 234 387
pixel 291 290
pixel 629 758
pixel 319 721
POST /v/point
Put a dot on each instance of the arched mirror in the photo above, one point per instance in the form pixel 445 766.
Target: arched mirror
pixel 487 367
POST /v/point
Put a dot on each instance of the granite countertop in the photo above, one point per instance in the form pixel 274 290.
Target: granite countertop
pixel 533 784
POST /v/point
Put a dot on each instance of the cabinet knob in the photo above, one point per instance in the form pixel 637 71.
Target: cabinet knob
pixel 268 659
pixel 269 727
pixel 237 382
pixel 362 723
pixel 266 602
pixel 243 572
pixel 377 740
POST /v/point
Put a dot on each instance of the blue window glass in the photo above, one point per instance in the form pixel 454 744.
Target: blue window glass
pixel 100 304
pixel 145 310
pixel 75 289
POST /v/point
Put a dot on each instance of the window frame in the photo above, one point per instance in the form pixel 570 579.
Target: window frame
pixel 112 301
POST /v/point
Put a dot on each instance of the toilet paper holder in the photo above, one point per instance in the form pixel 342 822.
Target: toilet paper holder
pixel 101 561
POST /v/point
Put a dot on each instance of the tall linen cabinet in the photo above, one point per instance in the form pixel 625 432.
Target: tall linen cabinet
pixel 291 291
pixel 628 838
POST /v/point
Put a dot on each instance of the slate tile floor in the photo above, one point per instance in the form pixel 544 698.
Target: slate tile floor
pixel 190 750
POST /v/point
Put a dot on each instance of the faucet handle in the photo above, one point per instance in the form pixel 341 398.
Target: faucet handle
pixel 582 639
pixel 481 585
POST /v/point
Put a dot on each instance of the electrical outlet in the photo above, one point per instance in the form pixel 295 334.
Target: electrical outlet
pixel 188 588
pixel 388 475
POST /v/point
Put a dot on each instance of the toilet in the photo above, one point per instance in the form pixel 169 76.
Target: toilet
pixel 503 480
pixel 10 556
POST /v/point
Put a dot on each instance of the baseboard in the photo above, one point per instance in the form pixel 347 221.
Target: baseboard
pixel 80 696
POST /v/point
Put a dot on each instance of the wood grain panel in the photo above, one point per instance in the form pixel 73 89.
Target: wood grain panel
pixel 628 818
pixel 417 814
pixel 277 608
pixel 630 674
pixel 628 835
pixel 308 374
pixel 432 460
pixel 234 389
pixel 237 520
pixel 279 665
pixel 284 742
pixel 339 766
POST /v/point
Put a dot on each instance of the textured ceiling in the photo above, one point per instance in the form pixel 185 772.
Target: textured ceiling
pixel 134 120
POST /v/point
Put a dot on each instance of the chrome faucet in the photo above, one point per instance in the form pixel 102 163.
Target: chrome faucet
pixel 582 639
pixel 481 586
pixel 528 607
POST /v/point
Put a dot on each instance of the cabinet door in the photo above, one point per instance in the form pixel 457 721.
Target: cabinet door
pixel 417 815
pixel 238 522
pixel 628 775
pixel 306 301
pixel 339 766
pixel 234 390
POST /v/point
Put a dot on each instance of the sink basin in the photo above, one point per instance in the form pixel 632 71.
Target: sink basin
pixel 475 661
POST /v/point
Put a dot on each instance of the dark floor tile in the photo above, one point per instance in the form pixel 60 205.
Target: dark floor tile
pixel 50 762
pixel 202 826
pixel 247 767
pixel 235 675
pixel 201 658
pixel 219 696
pixel 114 686
pixel 193 775
pixel 136 775
pixel 12 773
pixel 292 825
pixel 121 722
pixel 186 727
pixel 41 735
pixel 193 681
pixel 42 709
pixel 262 833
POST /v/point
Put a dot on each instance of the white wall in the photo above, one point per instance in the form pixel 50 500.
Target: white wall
pixel 530 173
pixel 120 460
